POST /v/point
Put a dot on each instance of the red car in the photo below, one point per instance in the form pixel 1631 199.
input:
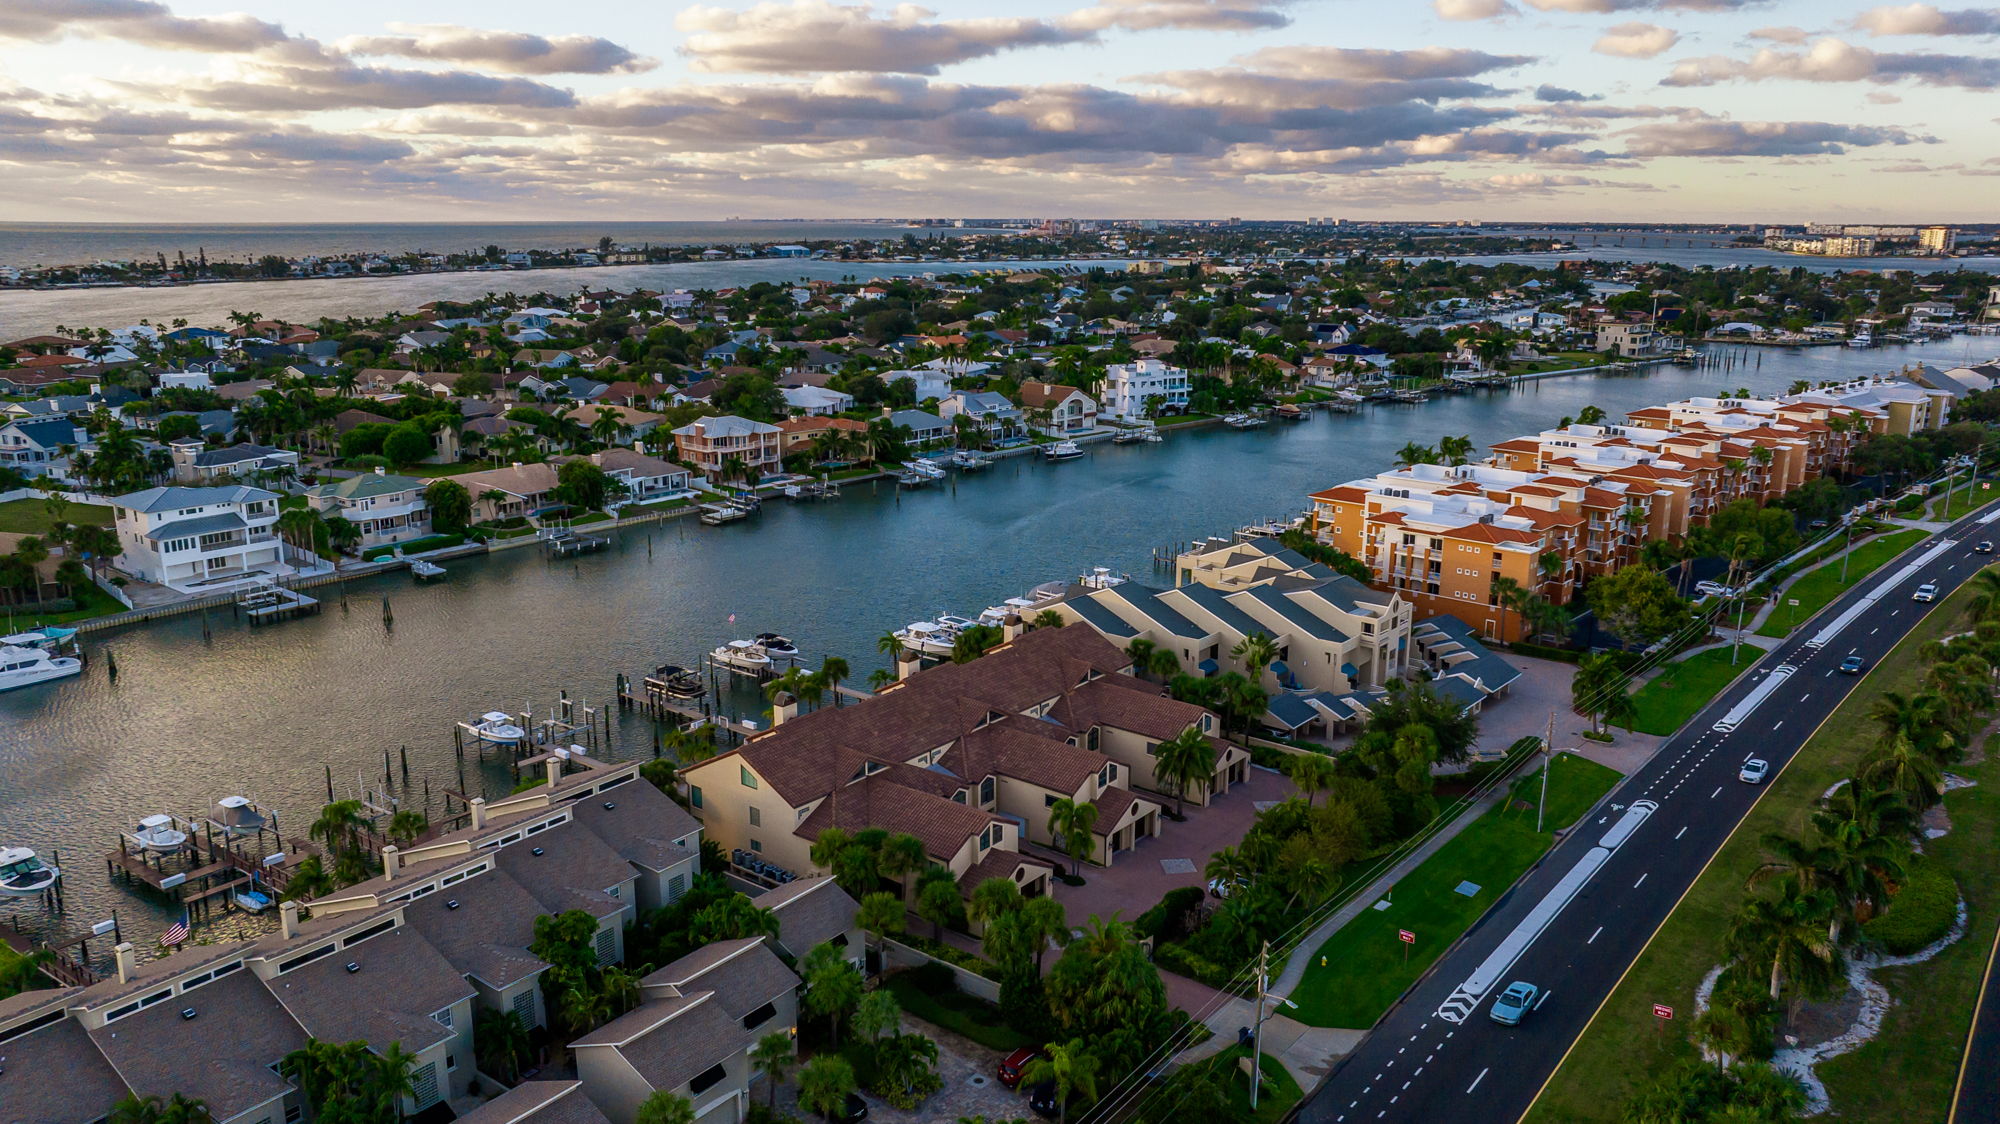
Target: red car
pixel 1012 1065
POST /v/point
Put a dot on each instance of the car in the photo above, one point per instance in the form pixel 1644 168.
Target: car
pixel 1042 1098
pixel 1925 592
pixel 1853 665
pixel 1513 1004
pixel 1221 887
pixel 1984 547
pixel 1754 771
pixel 1816 525
pixel 1713 589
pixel 853 1110
pixel 1014 1064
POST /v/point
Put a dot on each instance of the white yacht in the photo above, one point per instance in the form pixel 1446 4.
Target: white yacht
pixel 927 638
pixel 996 615
pixel 746 656
pixel 425 570
pixel 25 667
pixel 49 638
pixel 1102 577
pixel 1062 451
pixel 777 647
pixel 496 728
pixel 158 834
pixel 1863 338
pixel 23 875
pixel 928 468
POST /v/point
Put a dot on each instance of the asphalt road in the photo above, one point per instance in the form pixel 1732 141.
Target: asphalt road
pixel 1978 1097
pixel 1580 918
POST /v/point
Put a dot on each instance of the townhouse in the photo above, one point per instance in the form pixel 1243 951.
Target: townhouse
pixel 386 508
pixel 968 758
pixel 711 443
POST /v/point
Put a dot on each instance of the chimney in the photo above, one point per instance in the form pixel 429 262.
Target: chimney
pixel 478 810
pixel 784 708
pixel 392 860
pixel 128 961
pixel 1011 628
pixel 288 919
pixel 906 665
pixel 554 767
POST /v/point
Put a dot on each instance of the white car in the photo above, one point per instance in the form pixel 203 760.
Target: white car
pixel 1713 589
pixel 1925 592
pixel 1754 771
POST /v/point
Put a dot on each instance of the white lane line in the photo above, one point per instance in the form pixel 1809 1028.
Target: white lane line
pixel 1420 1071
pixel 1778 723
pixel 1716 793
pixel 1478 1079
pixel 1805 696
pixel 1681 832
pixel 1641 881
pixel 1593 936
pixel 1543 999
pixel 1406 1084
pixel 1873 631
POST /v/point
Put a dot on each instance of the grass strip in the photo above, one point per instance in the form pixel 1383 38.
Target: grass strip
pixel 1666 701
pixel 1361 970
pixel 30 516
pixel 1818 589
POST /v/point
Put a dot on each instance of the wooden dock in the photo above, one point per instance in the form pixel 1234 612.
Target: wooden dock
pixel 272 603
pixel 663 707
pixel 208 868
pixel 565 543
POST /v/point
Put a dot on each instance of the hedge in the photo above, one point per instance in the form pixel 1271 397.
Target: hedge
pixel 1920 914
pixel 53 605
pixel 1167 921
pixel 1180 960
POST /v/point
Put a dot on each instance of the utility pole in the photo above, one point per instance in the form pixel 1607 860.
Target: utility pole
pixel 1257 1026
pixel 1548 760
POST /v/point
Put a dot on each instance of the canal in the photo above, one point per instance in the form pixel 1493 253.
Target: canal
pixel 266 712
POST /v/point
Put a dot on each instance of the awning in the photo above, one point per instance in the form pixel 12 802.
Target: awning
pixel 1208 667
pixel 1350 671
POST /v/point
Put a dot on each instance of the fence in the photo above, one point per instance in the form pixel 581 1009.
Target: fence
pixel 898 954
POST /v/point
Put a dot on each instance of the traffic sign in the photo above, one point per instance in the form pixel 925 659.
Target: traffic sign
pixel 1661 1010
pixel 1406 936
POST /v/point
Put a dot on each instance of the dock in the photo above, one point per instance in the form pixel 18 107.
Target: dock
pixel 266 604
pixel 663 707
pixel 716 514
pixel 566 543
pixel 210 866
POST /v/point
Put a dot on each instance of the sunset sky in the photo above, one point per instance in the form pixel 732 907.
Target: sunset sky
pixel 439 110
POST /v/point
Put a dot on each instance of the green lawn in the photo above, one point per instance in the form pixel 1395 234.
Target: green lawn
pixel 1668 700
pixel 1818 589
pixel 1622 1047
pixel 414 546
pixel 91 602
pixel 1367 967
pixel 432 471
pixel 1280 1091
pixel 956 1011
pixel 1181 419
pixel 30 516
pixel 1964 501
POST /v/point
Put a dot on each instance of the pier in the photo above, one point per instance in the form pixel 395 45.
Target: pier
pixel 663 707
pixel 210 865
pixel 266 604
pixel 563 542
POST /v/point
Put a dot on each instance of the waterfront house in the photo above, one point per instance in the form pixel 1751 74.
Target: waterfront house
pixel 200 540
pixel 39 446
pixel 996 416
pixel 1068 411
pixel 924 384
pixel 922 428
pixel 645 478
pixel 505 493
pixel 385 507
pixel 710 443
pixel 1136 391
pixel 815 401
pixel 197 464
pixel 797 433
pixel 633 424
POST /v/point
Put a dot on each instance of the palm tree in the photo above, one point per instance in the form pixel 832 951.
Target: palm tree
pixel 1184 761
pixel 1311 772
pixel 831 671
pixel 1257 651
pixel 339 825
pixel 1069 825
pixel 1790 932
pixel 1455 450
pixel 1072 1067
pixel 1415 454
pixel 1901 766
pixel 1859 812
pixel 1918 718
pixel 178 1109
pixel 1985 603
pixel 1590 415
pixel 774 1056
pixel 665 1107
pixel 1506 591
pixel 406 825
pixel 1228 867
pixel 881 916
pixel 500 1043
pixel 1048 618
pixel 824 1084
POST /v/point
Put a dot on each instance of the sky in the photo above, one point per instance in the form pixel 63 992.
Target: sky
pixel 450 110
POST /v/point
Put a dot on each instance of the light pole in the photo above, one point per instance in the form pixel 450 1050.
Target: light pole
pixel 1548 761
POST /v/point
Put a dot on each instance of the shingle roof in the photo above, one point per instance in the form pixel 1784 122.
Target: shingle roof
pixel 399 982
pixel 573 871
pixel 56 1075
pixel 368 484
pixel 809 911
pixel 242 1030
pixel 672 1041
pixel 487 937
pixel 744 975
pixel 174 498
pixel 640 823
pixel 199 525
pixel 538 1102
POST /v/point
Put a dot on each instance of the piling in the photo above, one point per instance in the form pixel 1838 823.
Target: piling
pixel 388 617
pixel 406 764
pixel 111 664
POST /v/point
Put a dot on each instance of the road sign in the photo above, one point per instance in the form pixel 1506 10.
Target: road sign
pixel 1406 936
pixel 1661 1010
pixel 1792 601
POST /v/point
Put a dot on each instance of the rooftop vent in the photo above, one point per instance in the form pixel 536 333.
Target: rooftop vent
pixel 353 966
pixel 451 903
pixel 610 804
pixel 537 852
pixel 187 1012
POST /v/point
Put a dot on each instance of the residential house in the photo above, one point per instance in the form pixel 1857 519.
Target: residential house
pixel 386 508
pixel 1065 410
pixel 814 401
pixel 510 492
pixel 924 384
pixel 538 1102
pixel 1137 391
pixel 996 416
pixel 797 433
pixel 39 446
pixel 710 443
pixel 923 428
pixel 199 539
pixel 813 911
pixel 645 478
pixel 633 424
pixel 197 464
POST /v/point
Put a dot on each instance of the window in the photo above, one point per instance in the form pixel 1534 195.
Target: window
pixel 759 1017
pixel 986 791
pixel 694 795
pixel 1048 801
pixel 748 778
pixel 757 845
pixel 706 1079
pixel 450 1062
pixel 756 817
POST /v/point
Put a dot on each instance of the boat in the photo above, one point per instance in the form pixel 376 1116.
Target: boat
pixel 48 638
pixel 1289 412
pixel 956 623
pixel 1062 451
pixel 424 570
pixel 679 682
pixel 996 615
pixel 23 874
pixel 253 898
pixel 25 667
pixel 496 728
pixel 1864 338
pixel 968 461
pixel 1137 437
pixel 235 816
pixel 1102 577
pixel 1242 421
pixel 1687 357
pixel 716 514
pixel 928 468
pixel 777 647
pixel 158 834
pixel 746 656
pixel 927 638
pixel 909 478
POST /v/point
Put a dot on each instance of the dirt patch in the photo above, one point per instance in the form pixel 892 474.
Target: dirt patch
pixel 1823 1021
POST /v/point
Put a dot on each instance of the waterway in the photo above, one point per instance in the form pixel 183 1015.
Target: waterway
pixel 263 712
pixel 1695 251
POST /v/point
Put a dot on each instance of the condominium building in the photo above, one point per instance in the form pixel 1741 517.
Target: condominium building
pixel 710 444
pixel 1130 388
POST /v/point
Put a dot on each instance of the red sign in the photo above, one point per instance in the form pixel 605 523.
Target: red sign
pixel 1661 1010
pixel 1406 936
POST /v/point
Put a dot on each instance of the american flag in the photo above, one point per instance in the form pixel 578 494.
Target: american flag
pixel 176 932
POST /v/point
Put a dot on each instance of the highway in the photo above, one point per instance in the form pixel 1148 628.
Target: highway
pixel 1975 1101
pixel 1576 922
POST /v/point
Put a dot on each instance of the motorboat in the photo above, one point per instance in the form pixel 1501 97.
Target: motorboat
pixel 23 874
pixel 746 656
pixel 236 816
pixel 1289 412
pixel 158 834
pixel 777 647
pixel 968 461
pixel 996 615
pixel 48 638
pixel 1102 577
pixel 25 667
pixel 254 897
pixel 956 623
pixel 928 638
pixel 1062 451
pixel 496 728
pixel 425 570
pixel 679 682
pixel 928 468
pixel 909 478
pixel 1242 421
pixel 1863 338
pixel 716 514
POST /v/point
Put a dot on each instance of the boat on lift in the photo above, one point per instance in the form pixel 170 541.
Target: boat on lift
pixel 48 638
pixel 1102 577
pixel 496 728
pixel 927 638
pixel 25 667
pixel 253 898
pixel 1243 421
pixel 424 570
pixel 928 468
pixel 777 647
pixel 745 656
pixel 966 460
pixel 23 874
pixel 237 816
pixel 1062 451
pixel 157 833
pixel 678 682
pixel 1863 338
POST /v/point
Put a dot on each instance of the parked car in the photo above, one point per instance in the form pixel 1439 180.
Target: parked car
pixel 1925 592
pixel 1984 547
pixel 1042 1098
pixel 1853 665
pixel 1014 1064
pixel 1513 1004
pixel 1713 589
pixel 1754 771
pixel 1220 887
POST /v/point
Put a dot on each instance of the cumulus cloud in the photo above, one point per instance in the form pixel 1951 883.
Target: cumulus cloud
pixel 511 51
pixel 1796 36
pixel 1758 138
pixel 308 89
pixel 1472 9
pixel 1181 15
pixel 1546 92
pixel 1928 19
pixel 1832 60
pixel 1636 40
pixel 1383 65
pixel 809 36
pixel 140 21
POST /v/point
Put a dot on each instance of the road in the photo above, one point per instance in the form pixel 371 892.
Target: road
pixel 1975 1102
pixel 1580 918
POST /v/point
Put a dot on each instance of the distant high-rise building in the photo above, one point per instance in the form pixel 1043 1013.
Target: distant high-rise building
pixel 1937 239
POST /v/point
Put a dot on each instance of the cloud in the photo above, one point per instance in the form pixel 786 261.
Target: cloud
pixel 1546 92
pixel 1927 19
pixel 1636 40
pixel 1796 36
pixel 1181 15
pixel 510 51
pixel 1472 9
pixel 308 89
pixel 1832 60
pixel 809 36
pixel 1758 138
pixel 1383 65
pixel 139 21
pixel 1605 7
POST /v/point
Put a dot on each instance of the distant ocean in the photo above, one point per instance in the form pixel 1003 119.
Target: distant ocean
pixel 26 244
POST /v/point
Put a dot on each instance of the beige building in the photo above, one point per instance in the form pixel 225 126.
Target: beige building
pixel 710 443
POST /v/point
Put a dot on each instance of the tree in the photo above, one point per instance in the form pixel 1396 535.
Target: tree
pixel 500 1042
pixel 179 427
pixel 1072 1067
pixel 663 1107
pixel 1257 651
pixel 1069 825
pixel 1311 772
pixel 339 826
pixel 1184 761
pixel 567 941
pixel 406 825
pixel 824 1084
pixel 877 1014
pixel 833 986
pixel 1638 605
pixel 407 444
pixel 1901 766
pixel 831 672
pixel 349 1083
pixel 472 384
pixel 938 900
pixel 177 1109
pixel 881 914
pixel 775 1054
pixel 1598 688
pixel 584 485
pixel 450 506
pixel 1048 618
pixel 1789 932
pixel 972 643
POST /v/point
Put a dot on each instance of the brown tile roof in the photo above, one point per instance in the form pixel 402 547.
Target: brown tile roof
pixel 941 825
pixel 810 911
pixel 1112 804
pixel 538 1102
pixel 242 1030
pixel 998 864
pixel 400 981
pixel 1127 704
pixel 56 1075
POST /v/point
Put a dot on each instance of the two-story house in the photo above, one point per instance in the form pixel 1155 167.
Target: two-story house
pixel 39 446
pixel 1134 392
pixel 710 443
pixel 197 464
pixel 200 539
pixel 1067 410
pixel 387 508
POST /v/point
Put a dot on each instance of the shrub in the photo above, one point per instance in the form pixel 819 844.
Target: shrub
pixel 1170 920
pixel 1181 960
pixel 932 978
pixel 1920 914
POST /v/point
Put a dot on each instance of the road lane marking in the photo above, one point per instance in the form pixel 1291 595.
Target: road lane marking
pixel 1780 721
pixel 1478 1079
pixel 1681 832
pixel 1641 881
pixel 1716 793
pixel 1593 936
pixel 1543 999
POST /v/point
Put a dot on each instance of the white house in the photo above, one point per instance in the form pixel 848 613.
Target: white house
pixel 816 401
pixel 39 446
pixel 1128 387
pixel 991 409
pixel 387 508
pixel 927 384
pixel 200 540
pixel 1068 410
pixel 188 379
